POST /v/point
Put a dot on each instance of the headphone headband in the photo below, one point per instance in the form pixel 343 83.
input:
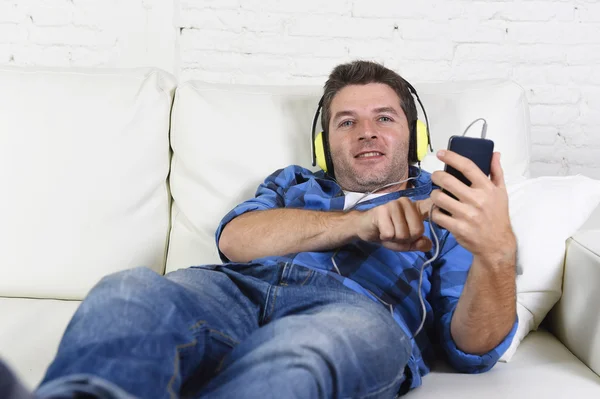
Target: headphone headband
pixel 314 128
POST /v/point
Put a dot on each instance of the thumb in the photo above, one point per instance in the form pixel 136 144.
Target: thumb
pixel 422 244
pixel 496 172
pixel 424 207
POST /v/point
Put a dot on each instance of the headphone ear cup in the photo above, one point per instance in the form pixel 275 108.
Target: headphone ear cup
pixel 421 140
pixel 320 152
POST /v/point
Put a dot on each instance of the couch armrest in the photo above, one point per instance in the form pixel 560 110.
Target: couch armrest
pixel 575 319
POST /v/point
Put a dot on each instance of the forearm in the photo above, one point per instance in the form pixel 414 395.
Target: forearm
pixel 275 232
pixel 486 310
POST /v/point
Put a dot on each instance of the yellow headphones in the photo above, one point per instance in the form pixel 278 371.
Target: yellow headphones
pixel 419 139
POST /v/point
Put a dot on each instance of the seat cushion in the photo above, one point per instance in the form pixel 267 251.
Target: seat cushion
pixel 541 365
pixel 30 332
pixel 541 368
pixel 84 160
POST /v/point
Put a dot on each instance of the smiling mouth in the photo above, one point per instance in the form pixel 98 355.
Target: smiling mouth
pixel 369 154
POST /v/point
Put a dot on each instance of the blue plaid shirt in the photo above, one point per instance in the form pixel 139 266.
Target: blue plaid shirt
pixel 371 269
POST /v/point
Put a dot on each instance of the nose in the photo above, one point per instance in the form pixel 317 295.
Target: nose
pixel 367 131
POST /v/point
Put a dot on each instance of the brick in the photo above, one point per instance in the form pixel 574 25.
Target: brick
pixel 549 153
pixel 51 16
pixel 312 7
pixel 234 20
pixel 411 29
pixel 553 115
pixel 203 4
pixel 10 12
pixel 531 11
pixel 252 43
pixel 591 97
pixel 56 56
pixel 583 54
pixel 547 168
pixel 544 135
pixel 5 53
pixel 419 10
pixel 334 26
pixel 226 62
pixel 422 70
pixel 297 46
pixel 481 70
pixel 311 67
pixel 478 31
pixel 401 49
pixel 550 94
pixel 85 57
pixel 12 33
pixel 553 32
pixel 93 16
pixel 584 156
pixel 69 35
pixel 508 52
pixel 587 11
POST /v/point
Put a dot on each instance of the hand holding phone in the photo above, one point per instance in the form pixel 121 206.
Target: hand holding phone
pixel 478 150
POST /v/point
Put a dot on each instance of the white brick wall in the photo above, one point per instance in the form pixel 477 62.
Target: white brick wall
pixel 551 48
pixel 88 33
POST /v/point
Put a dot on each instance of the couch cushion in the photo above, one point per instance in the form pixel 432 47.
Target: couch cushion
pixel 84 159
pixel 227 138
pixel 541 368
pixel 30 333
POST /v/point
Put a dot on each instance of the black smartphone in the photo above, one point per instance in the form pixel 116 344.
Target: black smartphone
pixel 478 150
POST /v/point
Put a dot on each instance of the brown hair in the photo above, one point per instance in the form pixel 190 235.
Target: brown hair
pixel 362 73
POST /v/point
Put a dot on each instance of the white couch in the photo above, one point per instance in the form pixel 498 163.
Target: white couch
pixel 90 187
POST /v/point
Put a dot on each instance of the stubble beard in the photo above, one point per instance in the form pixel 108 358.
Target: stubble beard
pixel 361 180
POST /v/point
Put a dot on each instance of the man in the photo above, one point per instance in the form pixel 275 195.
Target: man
pixel 318 296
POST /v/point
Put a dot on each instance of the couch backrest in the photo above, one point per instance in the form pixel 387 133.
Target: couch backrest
pixel 84 160
pixel 227 138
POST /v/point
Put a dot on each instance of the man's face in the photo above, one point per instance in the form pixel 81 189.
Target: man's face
pixel 368 137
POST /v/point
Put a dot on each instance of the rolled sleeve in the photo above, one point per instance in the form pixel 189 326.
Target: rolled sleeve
pixel 466 362
pixel 448 281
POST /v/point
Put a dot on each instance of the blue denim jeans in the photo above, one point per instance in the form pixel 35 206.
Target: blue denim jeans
pixel 234 331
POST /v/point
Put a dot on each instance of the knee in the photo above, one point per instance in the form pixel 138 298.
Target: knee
pixel 127 284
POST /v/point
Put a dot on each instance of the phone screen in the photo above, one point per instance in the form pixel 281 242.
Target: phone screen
pixel 478 150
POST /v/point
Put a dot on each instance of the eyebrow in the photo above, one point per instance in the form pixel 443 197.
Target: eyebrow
pixel 379 110
pixel 386 109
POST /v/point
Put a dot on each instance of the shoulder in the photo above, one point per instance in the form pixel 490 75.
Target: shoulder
pixel 295 174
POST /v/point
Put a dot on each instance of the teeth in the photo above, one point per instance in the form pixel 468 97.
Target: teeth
pixel 369 154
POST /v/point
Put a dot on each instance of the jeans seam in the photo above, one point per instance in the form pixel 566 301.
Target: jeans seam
pixel 273 303
pixel 219 332
pixel 176 367
pixel 264 313
pixel 383 388
pixel 310 273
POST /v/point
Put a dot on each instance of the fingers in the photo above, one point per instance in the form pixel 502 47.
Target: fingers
pixel 424 207
pixel 413 219
pixel 401 226
pixel 444 201
pixel 422 244
pixel 398 215
pixel 451 184
pixel 386 227
pixel 465 166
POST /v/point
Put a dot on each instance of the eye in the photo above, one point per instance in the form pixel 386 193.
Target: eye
pixel 346 123
pixel 385 119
